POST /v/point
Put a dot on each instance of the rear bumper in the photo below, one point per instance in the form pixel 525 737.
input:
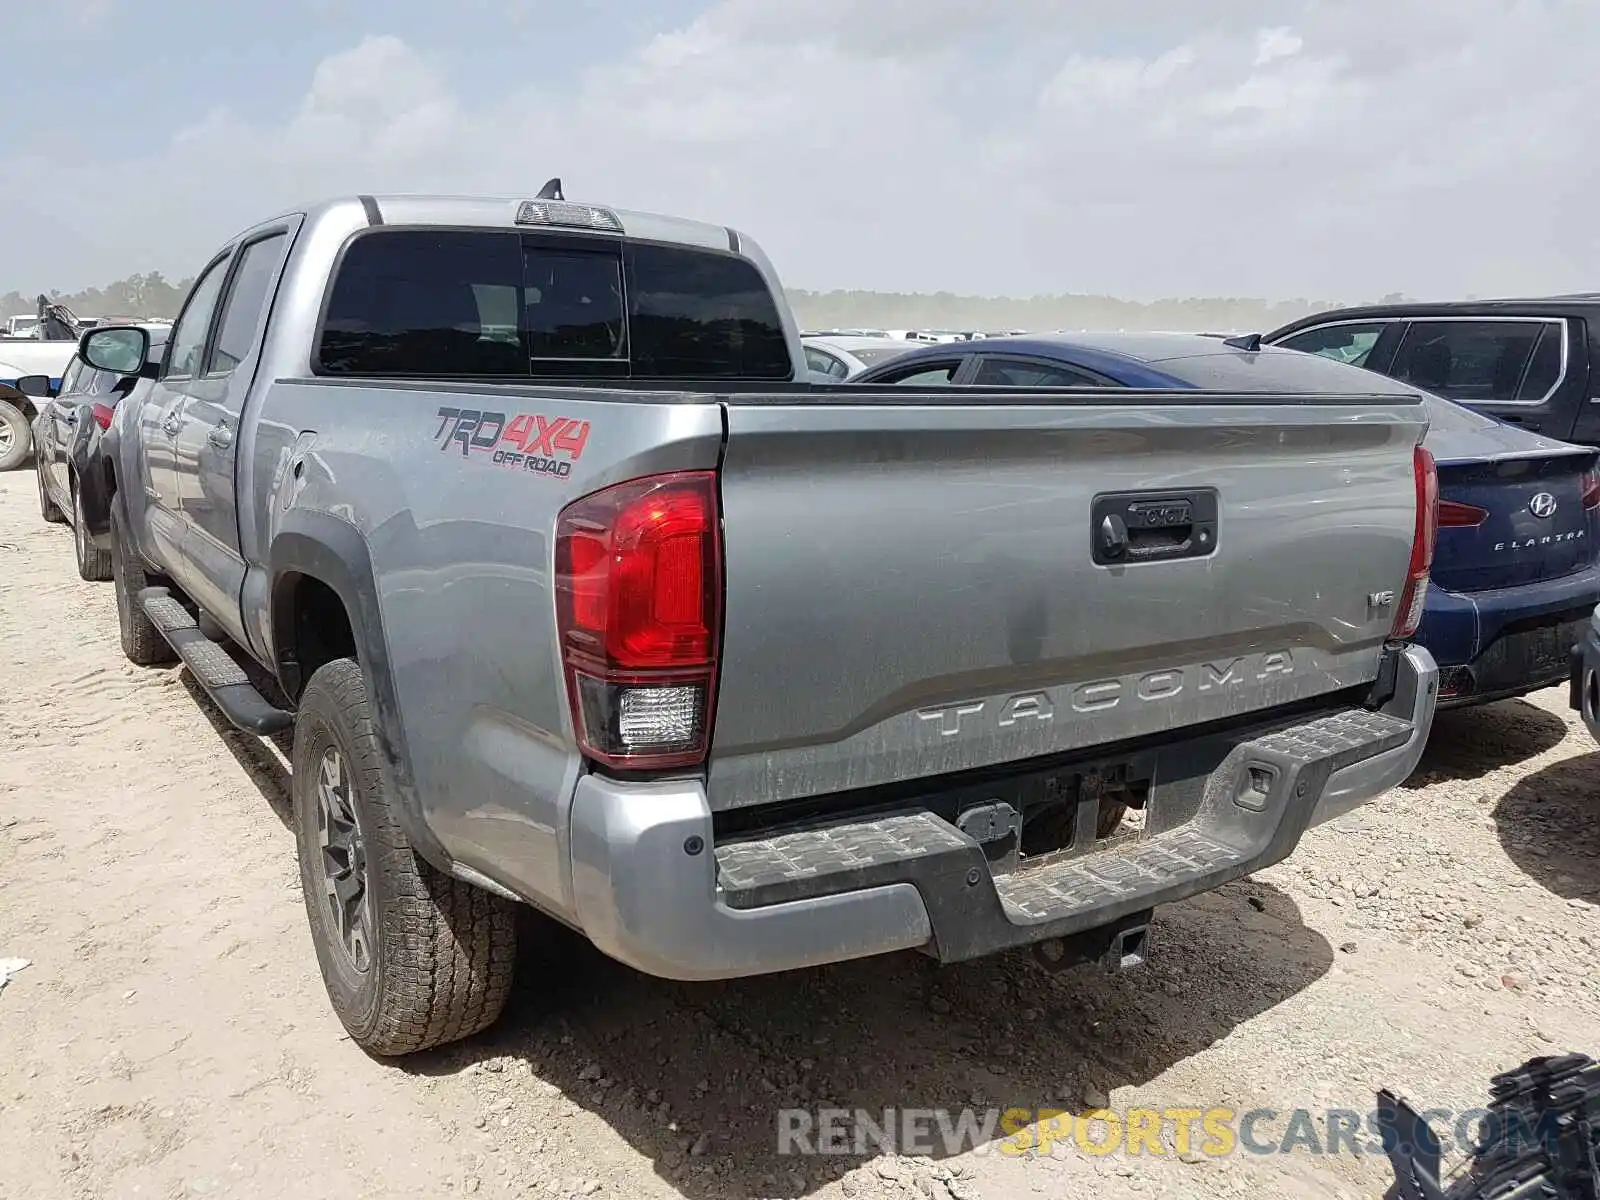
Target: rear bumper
pixel 1507 642
pixel 653 888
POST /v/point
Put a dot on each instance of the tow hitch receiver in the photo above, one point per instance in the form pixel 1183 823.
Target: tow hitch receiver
pixel 1120 946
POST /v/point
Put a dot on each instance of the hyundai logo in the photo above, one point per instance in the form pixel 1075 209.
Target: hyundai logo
pixel 1542 505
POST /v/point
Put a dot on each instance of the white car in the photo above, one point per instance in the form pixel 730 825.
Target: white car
pixel 838 357
pixel 25 356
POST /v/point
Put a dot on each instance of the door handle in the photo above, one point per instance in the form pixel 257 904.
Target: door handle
pixel 170 426
pixel 220 436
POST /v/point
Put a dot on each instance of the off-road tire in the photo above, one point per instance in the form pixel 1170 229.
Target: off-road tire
pixel 47 507
pixel 94 564
pixel 16 423
pixel 141 640
pixel 442 952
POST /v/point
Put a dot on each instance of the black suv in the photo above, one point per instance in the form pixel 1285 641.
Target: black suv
pixel 1530 363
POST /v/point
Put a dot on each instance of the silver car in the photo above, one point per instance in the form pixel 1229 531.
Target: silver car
pixel 842 356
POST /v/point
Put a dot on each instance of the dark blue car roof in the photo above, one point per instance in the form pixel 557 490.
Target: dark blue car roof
pixel 1173 360
pixel 1160 361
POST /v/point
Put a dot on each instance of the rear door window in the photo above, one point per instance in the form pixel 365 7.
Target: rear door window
pixel 72 378
pixel 1481 361
pixel 1544 368
pixel 505 304
pixel 924 374
pixel 188 341
pixel 825 364
pixel 246 307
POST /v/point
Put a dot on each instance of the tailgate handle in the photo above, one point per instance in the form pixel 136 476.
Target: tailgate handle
pixel 1133 527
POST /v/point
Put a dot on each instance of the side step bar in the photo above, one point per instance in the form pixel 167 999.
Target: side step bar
pixel 224 679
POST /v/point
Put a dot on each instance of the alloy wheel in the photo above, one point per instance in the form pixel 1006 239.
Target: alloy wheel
pixel 343 860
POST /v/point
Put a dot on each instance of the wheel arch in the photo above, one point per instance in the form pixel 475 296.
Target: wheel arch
pixel 18 400
pixel 315 560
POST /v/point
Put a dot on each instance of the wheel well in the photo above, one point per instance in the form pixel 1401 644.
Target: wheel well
pixel 18 400
pixel 310 628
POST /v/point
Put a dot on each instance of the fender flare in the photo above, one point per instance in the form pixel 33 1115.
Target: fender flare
pixel 323 547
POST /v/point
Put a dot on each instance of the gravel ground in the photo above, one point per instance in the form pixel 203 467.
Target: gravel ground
pixel 171 1038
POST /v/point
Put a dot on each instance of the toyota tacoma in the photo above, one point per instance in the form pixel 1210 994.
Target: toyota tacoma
pixel 521 515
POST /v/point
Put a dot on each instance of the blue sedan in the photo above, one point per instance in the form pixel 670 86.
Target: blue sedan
pixel 1515 574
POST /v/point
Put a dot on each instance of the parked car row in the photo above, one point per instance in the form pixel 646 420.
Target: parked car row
pixel 579 590
pixel 73 414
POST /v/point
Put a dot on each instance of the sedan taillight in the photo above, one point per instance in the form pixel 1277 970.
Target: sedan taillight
pixel 1455 515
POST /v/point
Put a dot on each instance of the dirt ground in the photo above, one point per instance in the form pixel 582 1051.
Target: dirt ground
pixel 170 1037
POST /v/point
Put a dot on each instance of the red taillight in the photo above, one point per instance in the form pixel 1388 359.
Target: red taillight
pixel 639 613
pixel 1591 488
pixel 1415 594
pixel 102 415
pixel 1455 515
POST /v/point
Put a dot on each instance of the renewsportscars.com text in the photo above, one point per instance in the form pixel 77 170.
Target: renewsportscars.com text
pixel 1209 1132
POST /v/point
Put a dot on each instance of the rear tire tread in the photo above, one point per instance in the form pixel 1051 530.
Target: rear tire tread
pixel 142 642
pixel 48 508
pixel 447 949
pixel 94 564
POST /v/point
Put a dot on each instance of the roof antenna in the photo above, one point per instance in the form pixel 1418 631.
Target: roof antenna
pixel 551 190
pixel 1248 341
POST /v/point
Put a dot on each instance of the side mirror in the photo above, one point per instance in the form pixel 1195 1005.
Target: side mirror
pixel 120 349
pixel 37 386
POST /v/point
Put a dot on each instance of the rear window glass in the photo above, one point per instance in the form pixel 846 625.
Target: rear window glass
pixel 693 315
pixel 874 355
pixel 504 304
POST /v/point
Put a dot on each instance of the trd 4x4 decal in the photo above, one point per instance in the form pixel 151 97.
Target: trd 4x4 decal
pixel 524 441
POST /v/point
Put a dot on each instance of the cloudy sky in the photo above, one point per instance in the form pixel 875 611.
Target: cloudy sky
pixel 1329 149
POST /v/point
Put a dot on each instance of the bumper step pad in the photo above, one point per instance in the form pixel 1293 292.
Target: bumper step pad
pixel 974 912
pixel 224 680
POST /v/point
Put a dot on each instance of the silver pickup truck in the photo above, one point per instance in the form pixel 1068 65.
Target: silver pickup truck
pixel 575 596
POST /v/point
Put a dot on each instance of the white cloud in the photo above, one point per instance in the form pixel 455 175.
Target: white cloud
pixel 1318 148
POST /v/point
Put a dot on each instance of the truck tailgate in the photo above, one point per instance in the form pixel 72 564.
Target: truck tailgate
pixel 912 585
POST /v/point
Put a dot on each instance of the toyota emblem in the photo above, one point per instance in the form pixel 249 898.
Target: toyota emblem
pixel 1542 505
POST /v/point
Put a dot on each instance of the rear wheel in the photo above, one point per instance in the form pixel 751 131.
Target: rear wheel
pixel 47 506
pixel 16 439
pixel 141 640
pixel 411 958
pixel 94 564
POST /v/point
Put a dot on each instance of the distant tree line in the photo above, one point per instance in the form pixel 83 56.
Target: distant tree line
pixel 151 295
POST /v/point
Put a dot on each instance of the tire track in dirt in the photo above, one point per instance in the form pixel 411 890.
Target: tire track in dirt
pixel 171 1036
